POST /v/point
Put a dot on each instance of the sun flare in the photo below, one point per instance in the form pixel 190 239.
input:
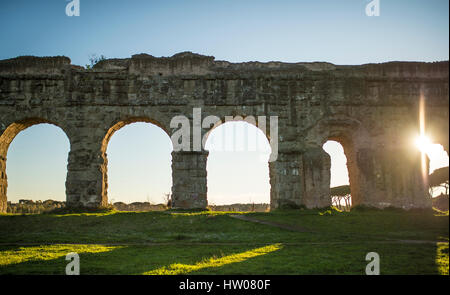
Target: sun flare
pixel 423 143
pixel 436 154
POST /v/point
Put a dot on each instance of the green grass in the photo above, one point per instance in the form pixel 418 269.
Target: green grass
pixel 332 242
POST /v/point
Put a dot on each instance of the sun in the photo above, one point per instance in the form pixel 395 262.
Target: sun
pixel 423 143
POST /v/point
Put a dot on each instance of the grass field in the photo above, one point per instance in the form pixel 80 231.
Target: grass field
pixel 289 242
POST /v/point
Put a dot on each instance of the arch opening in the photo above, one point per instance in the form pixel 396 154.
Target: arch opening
pixel 237 167
pixel 122 123
pixel 34 156
pixel 139 165
pixel 340 191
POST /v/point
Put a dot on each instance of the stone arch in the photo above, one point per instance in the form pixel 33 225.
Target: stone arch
pixel 118 124
pixel 352 136
pixel 6 137
pixel 251 122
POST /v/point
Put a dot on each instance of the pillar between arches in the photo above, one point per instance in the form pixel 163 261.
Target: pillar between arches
pixel 189 187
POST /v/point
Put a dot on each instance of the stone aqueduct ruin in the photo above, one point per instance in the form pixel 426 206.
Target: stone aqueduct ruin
pixel 372 110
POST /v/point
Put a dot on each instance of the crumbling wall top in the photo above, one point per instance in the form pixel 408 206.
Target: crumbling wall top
pixel 192 64
pixel 34 65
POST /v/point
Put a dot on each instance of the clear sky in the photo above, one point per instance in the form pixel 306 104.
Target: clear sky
pixel 292 31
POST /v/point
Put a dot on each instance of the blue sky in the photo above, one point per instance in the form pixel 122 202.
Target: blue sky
pixel 292 31
pixel 311 30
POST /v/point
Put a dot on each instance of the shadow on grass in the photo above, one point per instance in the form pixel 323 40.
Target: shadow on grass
pixel 271 259
pixel 131 259
pixel 214 262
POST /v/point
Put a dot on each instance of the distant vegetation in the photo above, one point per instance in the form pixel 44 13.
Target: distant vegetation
pixel 139 206
pixel 93 60
pixel 439 178
pixel 342 190
pixel 241 207
pixel 341 197
pixel 49 206
pixel 29 206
